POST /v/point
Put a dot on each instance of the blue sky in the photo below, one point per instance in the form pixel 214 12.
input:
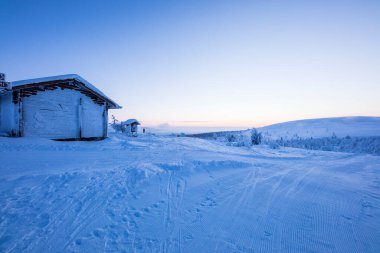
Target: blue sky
pixel 204 63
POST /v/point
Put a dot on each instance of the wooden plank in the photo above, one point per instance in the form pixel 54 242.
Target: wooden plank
pixel 49 83
pixel 21 118
pixel 80 117
pixel 105 120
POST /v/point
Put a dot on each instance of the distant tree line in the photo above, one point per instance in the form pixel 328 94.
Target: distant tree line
pixel 248 137
pixel 366 145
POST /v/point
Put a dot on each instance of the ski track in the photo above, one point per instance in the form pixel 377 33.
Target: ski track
pixel 186 195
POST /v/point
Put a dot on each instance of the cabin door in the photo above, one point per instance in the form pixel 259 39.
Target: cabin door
pixel 92 121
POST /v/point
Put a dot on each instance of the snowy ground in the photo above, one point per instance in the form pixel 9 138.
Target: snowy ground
pixel 167 194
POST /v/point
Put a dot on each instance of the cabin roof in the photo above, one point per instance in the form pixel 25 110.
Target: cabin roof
pixel 131 121
pixel 45 80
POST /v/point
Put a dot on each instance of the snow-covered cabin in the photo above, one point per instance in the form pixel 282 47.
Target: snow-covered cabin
pixel 57 107
pixel 130 126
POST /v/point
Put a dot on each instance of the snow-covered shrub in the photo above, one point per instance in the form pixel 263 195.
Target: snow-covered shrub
pixel 231 138
pixel 256 137
pixel 116 125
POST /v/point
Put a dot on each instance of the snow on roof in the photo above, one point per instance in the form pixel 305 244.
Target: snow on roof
pixel 131 121
pixel 65 77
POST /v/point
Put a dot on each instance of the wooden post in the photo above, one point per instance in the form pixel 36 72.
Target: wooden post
pixel 21 116
pixel 80 117
pixel 105 120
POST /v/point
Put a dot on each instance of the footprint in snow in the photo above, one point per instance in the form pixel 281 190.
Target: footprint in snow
pixel 366 204
pixel 188 237
pixel 78 207
pixel 346 217
pixel 208 202
pixel 43 220
pixel 110 213
pixel 267 233
pixel 98 233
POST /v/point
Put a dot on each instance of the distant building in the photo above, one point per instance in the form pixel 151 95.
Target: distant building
pixel 130 127
pixel 57 107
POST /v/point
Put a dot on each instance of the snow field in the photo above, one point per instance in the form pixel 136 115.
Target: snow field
pixel 167 194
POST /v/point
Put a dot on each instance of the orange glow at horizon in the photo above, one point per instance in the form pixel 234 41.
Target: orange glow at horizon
pixel 227 124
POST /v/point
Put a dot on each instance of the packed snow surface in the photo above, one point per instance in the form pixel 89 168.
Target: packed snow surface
pixel 168 194
pixel 325 127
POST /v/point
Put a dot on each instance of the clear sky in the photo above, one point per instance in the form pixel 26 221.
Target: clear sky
pixel 204 63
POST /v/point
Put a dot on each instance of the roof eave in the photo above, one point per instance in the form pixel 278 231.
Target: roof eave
pixel 69 77
pixel 114 106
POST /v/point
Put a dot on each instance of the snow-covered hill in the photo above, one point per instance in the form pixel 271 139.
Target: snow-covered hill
pixel 168 194
pixel 325 127
pixel 345 134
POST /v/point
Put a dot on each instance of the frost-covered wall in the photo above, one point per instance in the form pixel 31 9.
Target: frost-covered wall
pixel 51 114
pixel 92 118
pixel 8 117
pixel 61 114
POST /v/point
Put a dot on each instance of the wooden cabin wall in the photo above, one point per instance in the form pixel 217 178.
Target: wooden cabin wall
pixel 8 115
pixel 51 114
pixel 105 120
pixel 92 118
pixel 61 114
